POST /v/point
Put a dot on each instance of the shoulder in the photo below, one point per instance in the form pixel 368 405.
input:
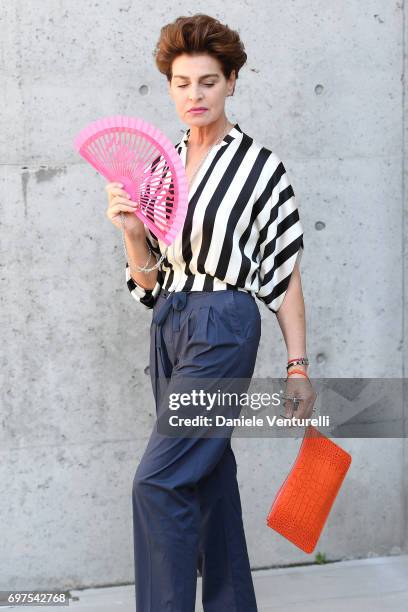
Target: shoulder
pixel 265 154
pixel 267 164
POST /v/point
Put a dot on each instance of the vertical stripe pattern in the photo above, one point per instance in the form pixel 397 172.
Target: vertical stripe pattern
pixel 242 229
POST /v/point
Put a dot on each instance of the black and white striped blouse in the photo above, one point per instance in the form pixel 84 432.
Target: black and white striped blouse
pixel 242 227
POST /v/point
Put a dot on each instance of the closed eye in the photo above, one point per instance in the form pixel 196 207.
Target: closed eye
pixel 206 84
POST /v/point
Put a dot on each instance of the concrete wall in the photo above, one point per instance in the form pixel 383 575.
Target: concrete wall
pixel 324 88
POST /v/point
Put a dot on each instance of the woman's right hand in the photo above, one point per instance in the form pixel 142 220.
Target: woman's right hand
pixel 119 201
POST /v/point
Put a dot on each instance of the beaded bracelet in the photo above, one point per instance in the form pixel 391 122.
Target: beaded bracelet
pixel 297 361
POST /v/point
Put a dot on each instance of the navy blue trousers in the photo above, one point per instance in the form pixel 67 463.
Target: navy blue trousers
pixel 186 504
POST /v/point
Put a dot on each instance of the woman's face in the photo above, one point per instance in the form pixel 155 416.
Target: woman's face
pixel 198 81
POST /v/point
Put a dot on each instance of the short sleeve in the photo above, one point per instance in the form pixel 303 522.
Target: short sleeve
pixel 280 237
pixel 147 297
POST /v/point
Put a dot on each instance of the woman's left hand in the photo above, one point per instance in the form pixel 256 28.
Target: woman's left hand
pixel 299 386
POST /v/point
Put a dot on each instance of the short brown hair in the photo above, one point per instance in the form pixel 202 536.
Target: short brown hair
pixel 199 34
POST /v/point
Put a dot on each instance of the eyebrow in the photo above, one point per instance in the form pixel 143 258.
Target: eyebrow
pixel 180 76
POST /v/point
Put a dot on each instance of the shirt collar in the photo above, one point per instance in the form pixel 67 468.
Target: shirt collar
pixel 235 132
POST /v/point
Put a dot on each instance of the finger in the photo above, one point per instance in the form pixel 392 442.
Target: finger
pixel 119 197
pixel 113 184
pixel 288 409
pixel 117 191
pixel 121 200
pixel 311 408
pixel 121 208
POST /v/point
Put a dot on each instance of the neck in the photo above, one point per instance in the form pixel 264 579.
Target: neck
pixel 201 137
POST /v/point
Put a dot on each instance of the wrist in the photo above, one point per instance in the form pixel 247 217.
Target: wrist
pixel 300 362
pixel 135 233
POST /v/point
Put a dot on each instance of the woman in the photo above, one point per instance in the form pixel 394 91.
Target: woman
pixel 242 239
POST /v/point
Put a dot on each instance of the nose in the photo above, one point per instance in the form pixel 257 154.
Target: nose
pixel 195 93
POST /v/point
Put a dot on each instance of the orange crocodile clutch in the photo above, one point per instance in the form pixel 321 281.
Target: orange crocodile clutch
pixel 305 498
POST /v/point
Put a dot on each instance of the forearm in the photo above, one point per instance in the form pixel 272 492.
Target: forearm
pixel 292 319
pixel 138 252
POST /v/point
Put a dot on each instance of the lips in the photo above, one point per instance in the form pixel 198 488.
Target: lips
pixel 197 110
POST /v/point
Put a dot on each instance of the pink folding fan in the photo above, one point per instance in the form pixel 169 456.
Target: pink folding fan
pixel 131 151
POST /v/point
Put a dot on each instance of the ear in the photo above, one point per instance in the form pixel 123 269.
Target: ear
pixel 232 81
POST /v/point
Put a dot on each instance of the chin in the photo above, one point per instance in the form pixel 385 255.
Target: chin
pixel 200 119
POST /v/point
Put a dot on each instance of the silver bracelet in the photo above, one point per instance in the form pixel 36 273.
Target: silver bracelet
pixel 144 269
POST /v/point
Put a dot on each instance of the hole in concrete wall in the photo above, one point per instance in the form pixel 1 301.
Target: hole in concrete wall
pixel 143 90
pixel 321 358
pixel 147 370
pixel 319 225
pixel 319 89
